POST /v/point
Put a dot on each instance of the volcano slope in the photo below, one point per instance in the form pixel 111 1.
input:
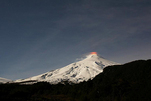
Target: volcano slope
pixel 75 72
pixel 128 82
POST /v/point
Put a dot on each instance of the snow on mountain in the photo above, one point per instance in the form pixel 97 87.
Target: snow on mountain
pixel 76 72
pixel 3 80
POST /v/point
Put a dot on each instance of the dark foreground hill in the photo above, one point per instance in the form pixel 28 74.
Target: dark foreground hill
pixel 128 82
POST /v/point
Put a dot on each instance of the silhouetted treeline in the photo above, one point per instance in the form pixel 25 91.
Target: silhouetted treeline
pixel 128 82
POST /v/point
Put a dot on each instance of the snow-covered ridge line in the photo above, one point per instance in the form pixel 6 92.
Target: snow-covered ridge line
pixel 76 72
pixel 3 80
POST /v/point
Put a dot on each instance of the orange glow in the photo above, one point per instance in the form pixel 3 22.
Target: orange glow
pixel 93 53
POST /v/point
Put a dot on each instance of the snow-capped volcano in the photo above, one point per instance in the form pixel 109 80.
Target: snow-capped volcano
pixel 3 80
pixel 76 72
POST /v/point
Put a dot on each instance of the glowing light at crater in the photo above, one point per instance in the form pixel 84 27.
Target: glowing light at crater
pixel 93 53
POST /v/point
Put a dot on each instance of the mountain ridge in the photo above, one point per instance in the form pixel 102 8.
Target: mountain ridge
pixel 4 80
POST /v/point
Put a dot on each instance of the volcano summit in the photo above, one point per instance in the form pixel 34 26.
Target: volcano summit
pixel 76 72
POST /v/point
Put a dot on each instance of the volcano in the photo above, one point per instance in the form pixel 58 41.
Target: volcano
pixel 76 72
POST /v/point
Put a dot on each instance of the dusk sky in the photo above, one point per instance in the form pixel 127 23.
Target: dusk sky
pixel 37 36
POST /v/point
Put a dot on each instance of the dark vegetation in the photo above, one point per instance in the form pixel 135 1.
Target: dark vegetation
pixel 128 82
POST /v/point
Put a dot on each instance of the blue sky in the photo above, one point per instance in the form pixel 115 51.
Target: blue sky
pixel 37 36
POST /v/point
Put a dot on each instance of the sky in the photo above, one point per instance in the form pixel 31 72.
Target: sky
pixel 37 36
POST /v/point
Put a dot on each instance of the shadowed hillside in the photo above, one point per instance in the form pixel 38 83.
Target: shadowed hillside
pixel 128 82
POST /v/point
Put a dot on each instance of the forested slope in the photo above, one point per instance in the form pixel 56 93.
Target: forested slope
pixel 128 82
